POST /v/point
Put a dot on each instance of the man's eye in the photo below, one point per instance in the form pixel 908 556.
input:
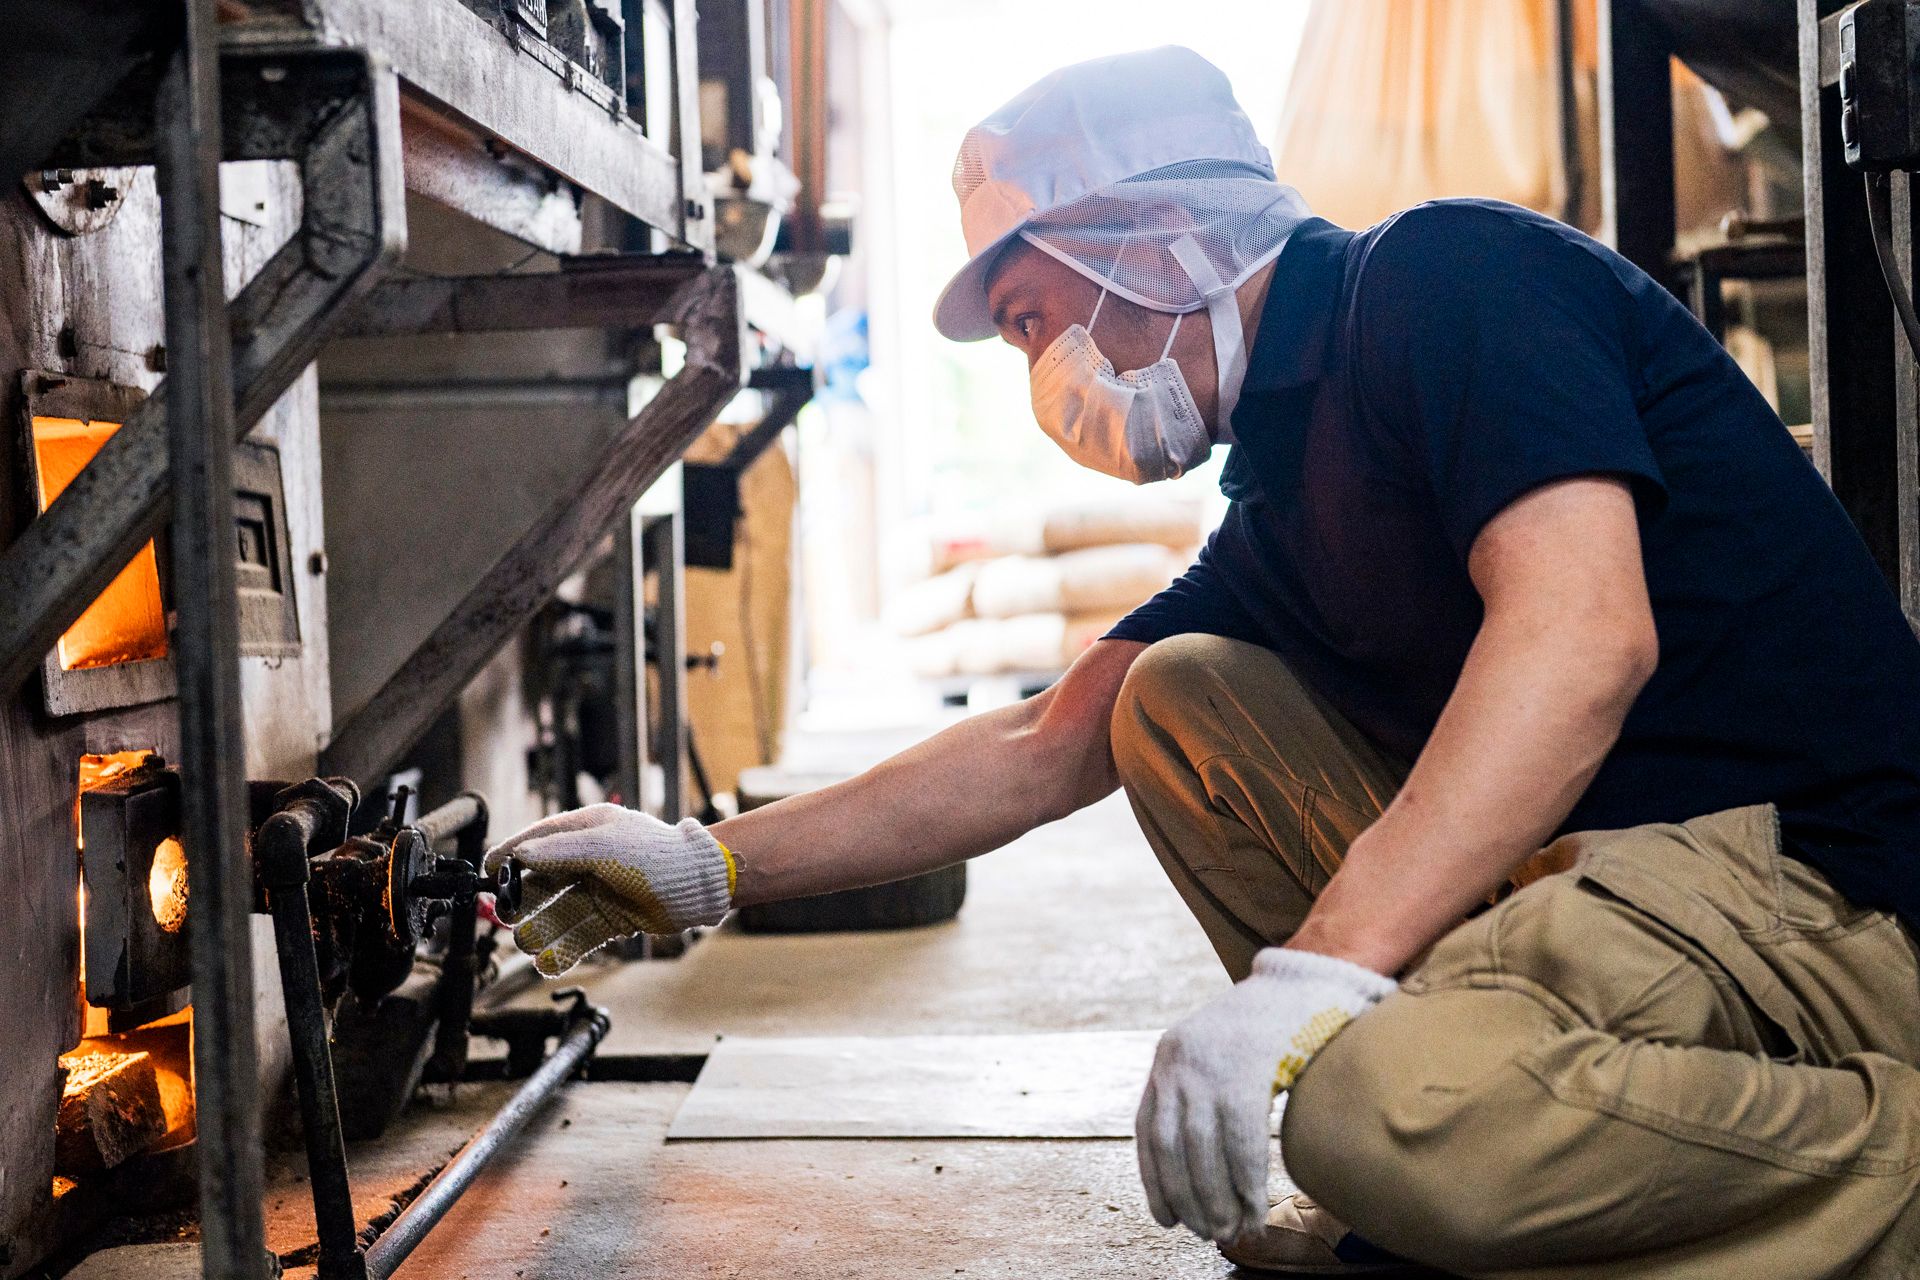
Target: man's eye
pixel 1024 325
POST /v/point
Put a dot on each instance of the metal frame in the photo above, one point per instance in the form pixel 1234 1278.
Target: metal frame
pixel 503 86
pixel 336 112
pixel 651 539
pixel 1636 136
pixel 206 643
pixel 1862 398
pixel 498 125
pixel 1701 276
pixel 664 550
pixel 704 302
pixel 1865 395
pixel 712 489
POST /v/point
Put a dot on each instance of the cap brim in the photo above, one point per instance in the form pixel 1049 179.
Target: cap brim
pixel 962 313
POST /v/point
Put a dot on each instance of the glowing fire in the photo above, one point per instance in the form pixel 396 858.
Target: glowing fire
pixel 96 769
pixel 167 885
pixel 125 623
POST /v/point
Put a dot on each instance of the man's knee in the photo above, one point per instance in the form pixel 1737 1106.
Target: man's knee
pixel 1404 1125
pixel 1165 689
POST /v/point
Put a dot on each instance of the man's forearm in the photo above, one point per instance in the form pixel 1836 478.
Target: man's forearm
pixel 971 788
pixel 1530 721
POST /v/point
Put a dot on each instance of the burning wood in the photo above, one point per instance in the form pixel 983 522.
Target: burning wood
pixel 110 1111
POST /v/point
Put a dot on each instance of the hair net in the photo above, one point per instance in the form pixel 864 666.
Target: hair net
pixel 1122 235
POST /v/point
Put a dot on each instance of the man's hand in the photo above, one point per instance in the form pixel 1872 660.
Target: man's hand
pixel 603 872
pixel 1202 1126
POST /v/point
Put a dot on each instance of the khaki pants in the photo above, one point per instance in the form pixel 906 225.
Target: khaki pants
pixel 1687 1056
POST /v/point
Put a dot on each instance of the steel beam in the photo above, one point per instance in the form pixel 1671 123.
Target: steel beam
pixel 630 291
pixel 451 165
pixel 1906 391
pixel 707 311
pixel 353 224
pixel 206 653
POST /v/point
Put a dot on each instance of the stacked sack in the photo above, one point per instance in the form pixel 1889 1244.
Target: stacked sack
pixel 1031 596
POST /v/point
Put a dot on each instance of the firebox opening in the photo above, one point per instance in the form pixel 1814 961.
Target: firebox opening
pixel 125 1094
pixel 127 1086
pixel 126 622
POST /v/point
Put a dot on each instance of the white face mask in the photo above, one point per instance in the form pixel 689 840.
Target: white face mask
pixel 1141 425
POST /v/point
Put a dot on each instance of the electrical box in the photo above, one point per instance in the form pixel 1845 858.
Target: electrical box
pixel 1879 64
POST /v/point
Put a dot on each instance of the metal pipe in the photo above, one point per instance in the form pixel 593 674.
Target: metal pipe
pixel 464 818
pixel 453 818
pixel 664 539
pixel 630 654
pixel 420 1217
pixel 206 649
pixel 281 851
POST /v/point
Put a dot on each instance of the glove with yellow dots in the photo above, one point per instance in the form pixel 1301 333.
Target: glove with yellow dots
pixel 1202 1126
pixel 591 875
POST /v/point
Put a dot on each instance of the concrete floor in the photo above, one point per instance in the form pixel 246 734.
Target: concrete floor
pixel 1071 927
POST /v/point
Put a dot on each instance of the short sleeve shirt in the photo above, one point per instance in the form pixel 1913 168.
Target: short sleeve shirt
pixel 1410 381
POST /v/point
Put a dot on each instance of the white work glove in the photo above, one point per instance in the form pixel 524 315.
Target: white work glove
pixel 1202 1126
pixel 591 875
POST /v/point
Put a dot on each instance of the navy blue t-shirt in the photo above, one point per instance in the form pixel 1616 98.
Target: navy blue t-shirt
pixel 1409 381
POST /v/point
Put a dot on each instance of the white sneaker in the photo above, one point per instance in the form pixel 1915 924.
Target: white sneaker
pixel 1301 1238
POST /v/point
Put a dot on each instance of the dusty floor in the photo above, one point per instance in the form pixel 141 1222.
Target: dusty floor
pixel 1072 927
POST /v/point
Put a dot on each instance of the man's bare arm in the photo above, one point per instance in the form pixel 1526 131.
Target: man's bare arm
pixel 1566 645
pixel 964 791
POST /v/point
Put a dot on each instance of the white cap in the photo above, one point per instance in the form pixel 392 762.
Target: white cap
pixel 1083 130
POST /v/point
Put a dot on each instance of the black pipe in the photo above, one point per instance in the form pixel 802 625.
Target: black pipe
pixel 420 1217
pixel 281 852
pixel 463 818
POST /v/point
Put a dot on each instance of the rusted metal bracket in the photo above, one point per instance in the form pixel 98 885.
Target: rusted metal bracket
pixel 336 112
pixel 705 307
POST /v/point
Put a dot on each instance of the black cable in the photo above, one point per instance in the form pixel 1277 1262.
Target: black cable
pixel 1880 219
